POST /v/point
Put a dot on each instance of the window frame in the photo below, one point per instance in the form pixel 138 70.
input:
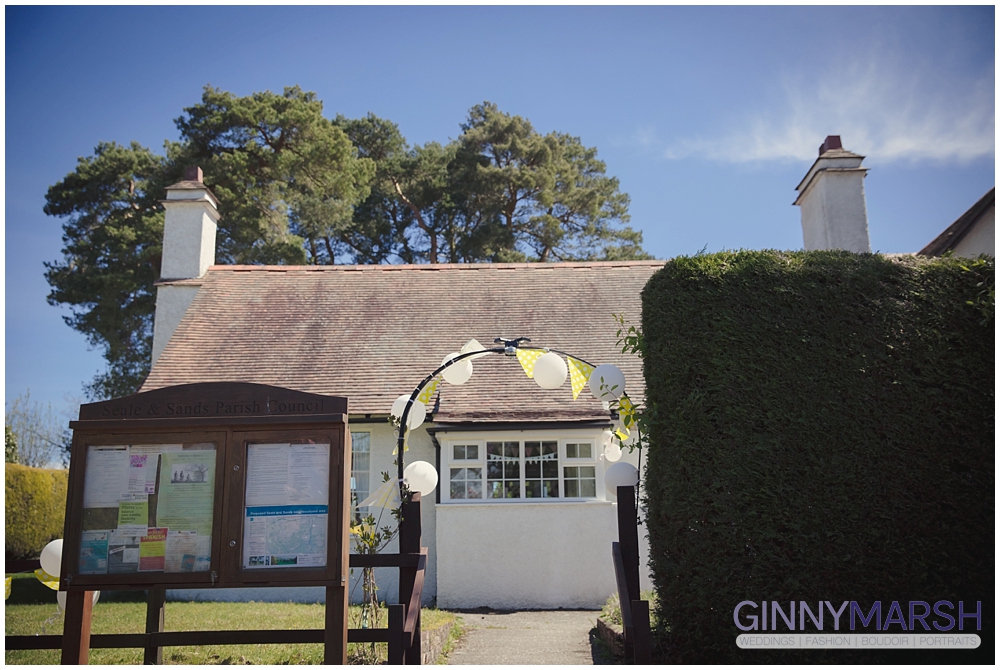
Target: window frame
pixel 562 438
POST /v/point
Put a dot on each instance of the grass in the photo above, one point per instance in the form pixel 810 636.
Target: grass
pixel 612 610
pixel 32 604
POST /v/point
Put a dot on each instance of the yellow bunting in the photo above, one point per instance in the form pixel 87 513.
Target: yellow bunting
pixel 622 433
pixel 385 495
pixel 8 587
pixel 428 392
pixel 47 579
pixel 579 373
pixel 361 529
pixel 626 410
pixel 527 357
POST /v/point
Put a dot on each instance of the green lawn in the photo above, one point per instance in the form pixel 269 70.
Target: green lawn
pixel 29 607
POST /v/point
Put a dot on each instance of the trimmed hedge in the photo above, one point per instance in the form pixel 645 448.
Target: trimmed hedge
pixel 821 427
pixel 34 509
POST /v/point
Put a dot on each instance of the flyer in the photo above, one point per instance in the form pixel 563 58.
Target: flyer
pixel 153 451
pixel 123 553
pixel 106 478
pixel 186 498
pixel 187 552
pixel 137 464
pixel 94 552
pixel 152 550
pixel 133 517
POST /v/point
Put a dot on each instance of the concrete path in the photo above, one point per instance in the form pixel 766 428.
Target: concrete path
pixel 526 638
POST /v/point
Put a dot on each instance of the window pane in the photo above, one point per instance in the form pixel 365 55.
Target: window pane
pixel 551 488
pixel 457 490
pixel 457 474
pixel 511 470
pixel 513 490
pixel 587 472
pixel 572 488
pixel 472 452
pixel 458 452
pixel 586 451
pixel 360 469
pixel 588 488
pixel 571 472
pixel 494 470
pixel 550 469
pixel 474 473
pixel 533 489
pixel 532 468
pixel 532 449
pixel 571 451
pixel 496 489
pixel 475 489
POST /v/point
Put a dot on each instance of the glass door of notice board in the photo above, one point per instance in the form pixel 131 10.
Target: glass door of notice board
pixel 288 511
pixel 149 508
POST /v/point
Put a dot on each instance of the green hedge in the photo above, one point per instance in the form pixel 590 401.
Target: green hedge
pixel 821 428
pixel 34 509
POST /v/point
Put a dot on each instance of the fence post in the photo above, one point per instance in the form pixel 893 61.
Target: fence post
pixel 642 639
pixel 409 543
pixel 76 627
pixel 628 539
pixel 155 599
pixel 397 613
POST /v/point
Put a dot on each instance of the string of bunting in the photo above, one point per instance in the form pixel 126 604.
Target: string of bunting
pixel 47 579
pixel 386 495
pixel 527 359
pixel 579 374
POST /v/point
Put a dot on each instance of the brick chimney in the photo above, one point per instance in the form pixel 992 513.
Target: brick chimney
pixel 189 228
pixel 832 198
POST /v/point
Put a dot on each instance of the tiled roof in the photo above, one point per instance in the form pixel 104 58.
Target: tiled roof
pixel 372 333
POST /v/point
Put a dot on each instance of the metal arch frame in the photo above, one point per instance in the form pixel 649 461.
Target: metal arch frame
pixel 509 348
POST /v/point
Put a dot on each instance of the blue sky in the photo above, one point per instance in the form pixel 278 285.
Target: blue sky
pixel 708 116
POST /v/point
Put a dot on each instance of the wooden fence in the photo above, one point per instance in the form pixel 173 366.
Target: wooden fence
pixel 402 635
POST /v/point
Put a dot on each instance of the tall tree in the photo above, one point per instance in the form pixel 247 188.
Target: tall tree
pixel 284 175
pixel 295 187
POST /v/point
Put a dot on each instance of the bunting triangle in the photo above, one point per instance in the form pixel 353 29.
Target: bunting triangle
pixel 386 495
pixel 8 587
pixel 527 357
pixel 579 373
pixel 626 410
pixel 428 392
pixel 47 579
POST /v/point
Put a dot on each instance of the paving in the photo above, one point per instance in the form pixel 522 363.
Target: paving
pixel 560 637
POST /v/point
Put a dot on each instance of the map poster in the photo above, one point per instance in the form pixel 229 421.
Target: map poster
pixel 153 550
pixel 285 536
pixel 94 552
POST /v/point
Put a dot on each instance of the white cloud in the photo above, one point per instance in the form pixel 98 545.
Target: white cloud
pixel 881 109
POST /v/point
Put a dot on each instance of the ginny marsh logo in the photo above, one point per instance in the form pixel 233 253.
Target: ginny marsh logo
pixel 916 624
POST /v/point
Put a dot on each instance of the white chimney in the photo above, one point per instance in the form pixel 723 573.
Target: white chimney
pixel 832 198
pixel 189 227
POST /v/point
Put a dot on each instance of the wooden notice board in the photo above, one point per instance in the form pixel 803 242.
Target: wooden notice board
pixel 209 485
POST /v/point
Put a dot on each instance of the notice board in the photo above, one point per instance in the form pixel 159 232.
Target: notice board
pixel 208 485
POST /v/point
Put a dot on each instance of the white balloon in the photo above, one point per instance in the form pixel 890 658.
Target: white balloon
pixel 61 599
pixel 612 452
pixel 607 438
pixel 620 474
pixel 612 380
pixel 550 371
pixel 418 412
pixel 51 558
pixel 458 373
pixel 420 476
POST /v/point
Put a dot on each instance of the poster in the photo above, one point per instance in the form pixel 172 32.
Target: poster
pixel 153 550
pixel 186 498
pixel 133 517
pixel 123 552
pixel 186 551
pixel 107 476
pixel 94 552
pixel 287 498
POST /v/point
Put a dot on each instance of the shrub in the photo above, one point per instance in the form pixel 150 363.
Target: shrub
pixel 34 509
pixel 821 428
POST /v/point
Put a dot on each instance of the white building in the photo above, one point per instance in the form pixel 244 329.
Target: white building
pixel 506 527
